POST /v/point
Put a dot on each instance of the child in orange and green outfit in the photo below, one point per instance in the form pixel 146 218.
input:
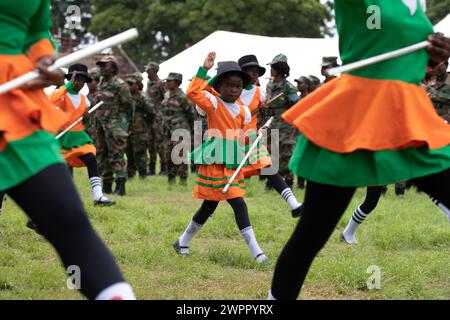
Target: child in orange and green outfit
pixel 220 155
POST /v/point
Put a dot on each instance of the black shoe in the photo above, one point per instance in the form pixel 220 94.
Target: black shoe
pixel 107 187
pixel 183 181
pixel 32 226
pixel 297 213
pixel 120 187
pixel 399 191
pixel 171 180
pixel 104 202
pixel 143 174
pixel 163 171
pixel 184 251
pixel 151 169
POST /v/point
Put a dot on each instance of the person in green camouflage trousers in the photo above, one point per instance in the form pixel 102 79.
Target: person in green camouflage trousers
pixel 155 91
pixel 287 134
pixel 112 121
pixel 439 91
pixel 177 114
pixel 89 119
pixel 138 139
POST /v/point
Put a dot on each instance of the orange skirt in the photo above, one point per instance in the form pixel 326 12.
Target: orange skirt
pixel 72 156
pixel 211 179
pixel 352 113
pixel 24 112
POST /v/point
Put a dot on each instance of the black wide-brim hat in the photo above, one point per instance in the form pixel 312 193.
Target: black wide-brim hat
pixel 80 69
pixel 251 61
pixel 227 67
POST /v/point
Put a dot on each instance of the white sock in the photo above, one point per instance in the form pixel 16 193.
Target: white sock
pixel 249 236
pixel 441 206
pixel 189 233
pixel 290 198
pixel 357 218
pixel 118 291
pixel 270 296
pixel 96 184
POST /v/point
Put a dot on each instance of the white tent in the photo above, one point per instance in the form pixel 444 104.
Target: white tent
pixel 444 26
pixel 304 55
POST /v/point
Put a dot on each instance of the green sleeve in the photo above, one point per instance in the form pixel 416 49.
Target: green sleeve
pixel 40 25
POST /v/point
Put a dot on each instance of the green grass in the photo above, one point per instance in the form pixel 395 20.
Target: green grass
pixel 408 238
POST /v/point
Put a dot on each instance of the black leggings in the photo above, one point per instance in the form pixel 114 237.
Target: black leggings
pixel 51 201
pixel 239 207
pixel 323 207
pixel 90 161
pixel 373 194
pixel 277 182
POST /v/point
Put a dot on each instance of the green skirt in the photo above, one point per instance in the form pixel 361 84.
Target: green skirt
pixel 24 158
pixel 363 167
pixel 75 139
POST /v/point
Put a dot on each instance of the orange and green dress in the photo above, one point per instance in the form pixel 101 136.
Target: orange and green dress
pixel 374 125
pixel 75 142
pixel 253 97
pixel 28 121
pixel 220 155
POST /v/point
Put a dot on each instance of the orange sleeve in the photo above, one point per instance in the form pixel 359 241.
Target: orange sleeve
pixel 58 98
pixel 196 93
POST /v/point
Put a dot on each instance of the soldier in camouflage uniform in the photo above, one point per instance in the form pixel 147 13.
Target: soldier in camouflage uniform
pixel 89 119
pixel 439 91
pixel 138 139
pixel 287 134
pixel 328 63
pixel 112 121
pixel 155 91
pixel 177 114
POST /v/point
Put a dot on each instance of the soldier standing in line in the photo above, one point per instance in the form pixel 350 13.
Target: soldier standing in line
pixel 328 63
pixel 89 119
pixel 177 114
pixel 138 139
pixel 155 91
pixel 439 91
pixel 279 84
pixel 112 121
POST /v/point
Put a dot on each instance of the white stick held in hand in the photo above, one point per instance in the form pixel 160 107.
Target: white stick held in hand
pixel 254 145
pixel 377 59
pixel 72 58
pixel 91 110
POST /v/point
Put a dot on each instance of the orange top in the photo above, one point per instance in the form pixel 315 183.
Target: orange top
pixel 225 120
pixel 74 104
pixel 253 99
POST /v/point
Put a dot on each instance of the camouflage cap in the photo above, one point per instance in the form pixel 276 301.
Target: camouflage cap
pixel 152 65
pixel 314 79
pixel 134 77
pixel 106 59
pixel 329 61
pixel 175 76
pixel 95 73
pixel 279 58
pixel 304 79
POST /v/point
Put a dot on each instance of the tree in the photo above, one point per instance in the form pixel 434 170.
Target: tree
pixel 438 10
pixel 169 26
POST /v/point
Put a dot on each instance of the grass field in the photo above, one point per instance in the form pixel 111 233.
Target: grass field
pixel 408 238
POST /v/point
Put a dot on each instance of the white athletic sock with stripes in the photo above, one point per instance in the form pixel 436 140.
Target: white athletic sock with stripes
pixel 189 233
pixel 118 291
pixel 357 218
pixel 441 206
pixel 96 184
pixel 249 236
pixel 290 198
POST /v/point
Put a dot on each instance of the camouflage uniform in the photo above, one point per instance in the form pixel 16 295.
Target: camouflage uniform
pixel 138 139
pixel 287 133
pixel 155 91
pixel 112 121
pixel 89 119
pixel 177 114
pixel 439 94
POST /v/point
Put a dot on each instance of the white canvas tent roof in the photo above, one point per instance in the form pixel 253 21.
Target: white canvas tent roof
pixel 444 26
pixel 304 55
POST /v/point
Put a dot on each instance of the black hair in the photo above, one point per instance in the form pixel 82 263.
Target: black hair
pixel 282 68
